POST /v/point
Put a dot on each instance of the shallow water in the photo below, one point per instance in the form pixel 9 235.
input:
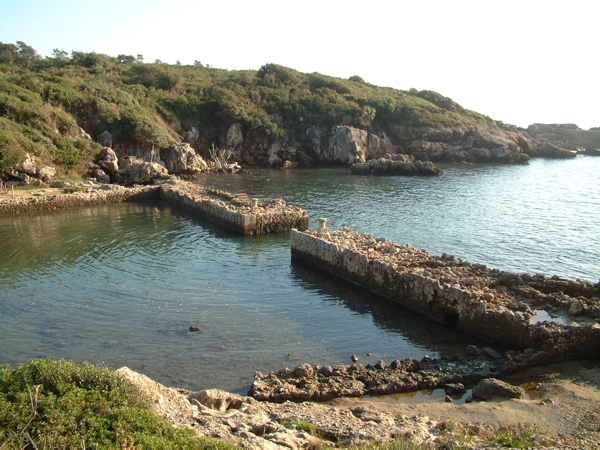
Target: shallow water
pixel 121 284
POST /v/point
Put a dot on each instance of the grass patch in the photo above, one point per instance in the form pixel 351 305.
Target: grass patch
pixel 307 427
pixel 60 404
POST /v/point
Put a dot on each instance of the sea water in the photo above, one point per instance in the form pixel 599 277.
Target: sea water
pixel 121 284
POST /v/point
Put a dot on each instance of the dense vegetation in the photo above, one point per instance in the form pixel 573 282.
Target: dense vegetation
pixel 61 404
pixel 43 101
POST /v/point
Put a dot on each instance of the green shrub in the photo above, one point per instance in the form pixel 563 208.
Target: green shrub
pixel 61 404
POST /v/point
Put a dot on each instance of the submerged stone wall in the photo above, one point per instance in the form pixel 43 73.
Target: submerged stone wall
pixel 498 306
pixel 237 212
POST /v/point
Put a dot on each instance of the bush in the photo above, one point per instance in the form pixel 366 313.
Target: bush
pixel 61 404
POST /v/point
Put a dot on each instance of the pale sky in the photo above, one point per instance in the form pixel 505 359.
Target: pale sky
pixel 521 62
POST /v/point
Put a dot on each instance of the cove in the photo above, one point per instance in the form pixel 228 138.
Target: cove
pixel 121 284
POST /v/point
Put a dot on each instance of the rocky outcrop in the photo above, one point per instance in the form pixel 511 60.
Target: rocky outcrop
pixel 322 383
pixel 182 159
pixel 403 165
pixel 133 171
pixel 27 166
pixel 105 139
pixel 567 136
pixel 265 425
pixel 46 173
pixel 347 145
pixel 488 303
pixel 108 161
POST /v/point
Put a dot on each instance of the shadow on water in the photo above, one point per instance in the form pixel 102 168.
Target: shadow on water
pixel 415 328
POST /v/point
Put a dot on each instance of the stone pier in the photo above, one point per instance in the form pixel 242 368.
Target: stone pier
pixel 497 306
pixel 236 212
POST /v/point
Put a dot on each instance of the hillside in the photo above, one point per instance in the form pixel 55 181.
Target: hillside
pixel 55 108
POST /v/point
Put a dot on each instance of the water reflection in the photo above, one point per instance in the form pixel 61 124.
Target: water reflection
pixel 416 329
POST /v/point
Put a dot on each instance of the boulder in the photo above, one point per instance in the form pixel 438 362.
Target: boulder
pixel 303 159
pixel 427 168
pixel 105 139
pixel 140 172
pixel 549 150
pixel 46 173
pixel 83 134
pixel 489 388
pixel 235 136
pixel 99 174
pixel 108 161
pixel 183 159
pixel 217 399
pixel 27 165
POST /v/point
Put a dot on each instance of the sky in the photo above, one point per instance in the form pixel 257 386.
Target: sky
pixel 520 62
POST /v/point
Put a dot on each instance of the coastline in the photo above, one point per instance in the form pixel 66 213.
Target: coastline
pixel 56 200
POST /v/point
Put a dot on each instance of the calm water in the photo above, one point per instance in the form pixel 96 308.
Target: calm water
pixel 122 284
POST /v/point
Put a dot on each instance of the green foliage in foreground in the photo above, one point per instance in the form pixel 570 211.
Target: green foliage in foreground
pixel 60 404
pixel 43 102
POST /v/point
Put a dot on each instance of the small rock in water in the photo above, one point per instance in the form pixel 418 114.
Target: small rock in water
pixel 369 354
pixel 448 399
pixel 195 328
pixel 354 358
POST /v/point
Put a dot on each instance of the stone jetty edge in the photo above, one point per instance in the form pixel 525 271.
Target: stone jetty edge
pixel 490 304
pixel 497 306
pixel 237 213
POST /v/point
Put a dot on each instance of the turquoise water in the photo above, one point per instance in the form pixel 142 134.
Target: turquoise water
pixel 121 284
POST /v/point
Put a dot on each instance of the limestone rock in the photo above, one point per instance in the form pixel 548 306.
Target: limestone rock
pixel 108 161
pixel 235 136
pixel 489 388
pixel 27 165
pixel 191 136
pixel 217 399
pixel 575 309
pixel 183 159
pixel 46 173
pixel 100 175
pixel 313 142
pixel 83 134
pixel 140 172
pixel 105 139
pixel 347 145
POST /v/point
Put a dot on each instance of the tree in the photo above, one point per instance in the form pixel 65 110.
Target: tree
pixel 60 55
pixel 140 58
pixel 126 59
pixel 198 64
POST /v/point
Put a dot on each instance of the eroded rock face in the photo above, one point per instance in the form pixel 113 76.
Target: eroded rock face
pixel 402 165
pixel 347 145
pixel 183 159
pixel 235 136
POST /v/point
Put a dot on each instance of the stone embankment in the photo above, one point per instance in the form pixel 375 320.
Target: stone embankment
pixel 497 306
pixel 236 212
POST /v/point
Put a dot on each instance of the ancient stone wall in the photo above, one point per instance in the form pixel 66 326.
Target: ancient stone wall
pixel 237 213
pixel 500 307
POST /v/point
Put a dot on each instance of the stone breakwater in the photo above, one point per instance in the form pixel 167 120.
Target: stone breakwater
pixel 236 212
pixel 497 306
